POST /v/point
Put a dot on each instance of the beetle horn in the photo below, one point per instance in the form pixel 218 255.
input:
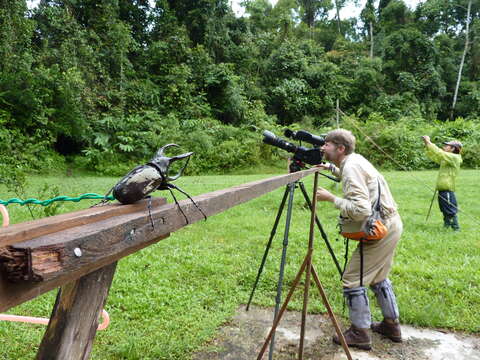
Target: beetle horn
pixel 180 157
pixel 160 152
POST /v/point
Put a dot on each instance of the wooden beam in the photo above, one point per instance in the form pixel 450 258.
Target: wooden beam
pixel 32 229
pixel 13 294
pixel 65 255
pixel 74 319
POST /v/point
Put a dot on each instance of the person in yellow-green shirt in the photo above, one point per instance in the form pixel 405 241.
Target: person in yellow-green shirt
pixel 449 159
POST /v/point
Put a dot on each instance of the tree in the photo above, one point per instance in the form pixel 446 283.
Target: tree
pixel 395 16
pixel 310 10
pixel 18 104
pixel 464 53
pixel 196 15
pixel 15 34
pixel 338 5
pixel 382 5
pixel 260 15
pixel 411 65
pixel 136 14
pixel 369 19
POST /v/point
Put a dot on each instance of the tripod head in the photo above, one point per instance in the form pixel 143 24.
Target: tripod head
pixel 295 165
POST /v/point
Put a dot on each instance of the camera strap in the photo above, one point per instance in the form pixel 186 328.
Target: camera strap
pixel 379 231
pixel 373 228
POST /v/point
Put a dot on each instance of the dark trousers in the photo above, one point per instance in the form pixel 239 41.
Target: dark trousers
pixel 447 202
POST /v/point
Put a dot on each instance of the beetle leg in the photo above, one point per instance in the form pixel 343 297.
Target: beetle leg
pixel 104 201
pixel 184 193
pixel 176 202
pixel 149 205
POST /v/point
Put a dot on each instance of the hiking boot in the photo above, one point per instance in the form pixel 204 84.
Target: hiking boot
pixel 389 330
pixel 355 337
pixel 455 225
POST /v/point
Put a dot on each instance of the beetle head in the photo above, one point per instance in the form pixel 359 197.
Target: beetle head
pixel 162 162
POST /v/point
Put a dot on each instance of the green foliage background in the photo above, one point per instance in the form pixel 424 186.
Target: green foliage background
pixel 103 85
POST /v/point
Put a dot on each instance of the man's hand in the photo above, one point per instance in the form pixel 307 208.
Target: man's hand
pixel 324 166
pixel 426 139
pixel 324 195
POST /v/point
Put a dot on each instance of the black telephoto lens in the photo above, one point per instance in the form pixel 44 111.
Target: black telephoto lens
pixel 271 139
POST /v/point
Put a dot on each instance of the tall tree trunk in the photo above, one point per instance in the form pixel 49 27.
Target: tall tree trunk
pixel 338 16
pixel 371 40
pixel 465 50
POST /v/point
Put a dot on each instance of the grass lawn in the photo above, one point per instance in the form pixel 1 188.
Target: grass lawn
pixel 167 300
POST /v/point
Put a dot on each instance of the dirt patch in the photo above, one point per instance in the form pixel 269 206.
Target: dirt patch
pixel 243 337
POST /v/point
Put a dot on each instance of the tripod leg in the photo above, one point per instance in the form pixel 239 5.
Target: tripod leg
pixel 278 298
pixel 308 270
pixel 331 314
pixel 284 306
pixel 269 244
pixel 430 208
pixel 322 232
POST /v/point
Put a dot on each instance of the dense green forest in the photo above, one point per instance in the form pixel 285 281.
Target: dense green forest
pixel 102 84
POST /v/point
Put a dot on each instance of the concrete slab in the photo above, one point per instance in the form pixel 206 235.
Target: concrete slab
pixel 242 338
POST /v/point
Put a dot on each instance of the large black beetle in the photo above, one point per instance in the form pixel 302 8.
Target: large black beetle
pixel 154 175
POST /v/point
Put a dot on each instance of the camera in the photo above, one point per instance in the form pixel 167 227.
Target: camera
pixel 303 135
pixel 311 156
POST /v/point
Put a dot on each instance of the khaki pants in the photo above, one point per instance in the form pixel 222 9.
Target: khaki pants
pixel 377 257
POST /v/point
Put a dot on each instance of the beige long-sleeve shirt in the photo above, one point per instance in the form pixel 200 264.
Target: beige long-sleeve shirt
pixel 360 191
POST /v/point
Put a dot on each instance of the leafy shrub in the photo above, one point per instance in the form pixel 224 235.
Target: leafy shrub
pixel 32 152
pixel 398 145
pixel 118 144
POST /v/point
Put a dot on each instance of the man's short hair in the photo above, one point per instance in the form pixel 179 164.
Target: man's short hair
pixel 342 137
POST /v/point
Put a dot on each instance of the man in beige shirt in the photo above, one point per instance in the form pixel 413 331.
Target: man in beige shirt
pixel 360 185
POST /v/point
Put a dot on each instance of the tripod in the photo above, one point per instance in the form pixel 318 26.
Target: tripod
pixel 309 269
pixel 289 192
